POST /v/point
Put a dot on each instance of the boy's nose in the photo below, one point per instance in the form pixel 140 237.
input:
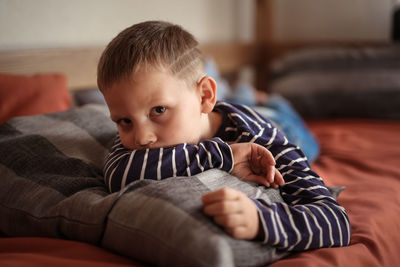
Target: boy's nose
pixel 145 137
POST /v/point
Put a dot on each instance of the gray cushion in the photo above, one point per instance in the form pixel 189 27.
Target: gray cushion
pixel 341 82
pixel 172 228
pixel 51 175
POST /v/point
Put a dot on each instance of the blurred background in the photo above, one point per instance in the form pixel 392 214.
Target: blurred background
pixel 327 57
pixel 77 23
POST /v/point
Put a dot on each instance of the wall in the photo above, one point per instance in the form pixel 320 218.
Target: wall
pixel 60 23
pixel 74 23
pixel 333 19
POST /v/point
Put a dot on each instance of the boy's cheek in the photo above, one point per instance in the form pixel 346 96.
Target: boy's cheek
pixel 183 130
pixel 126 142
pixel 166 137
pixel 172 138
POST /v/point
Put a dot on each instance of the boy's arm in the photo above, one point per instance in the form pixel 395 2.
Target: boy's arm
pixel 310 217
pixel 124 166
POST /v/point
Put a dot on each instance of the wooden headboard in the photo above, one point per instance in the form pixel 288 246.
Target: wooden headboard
pixel 80 64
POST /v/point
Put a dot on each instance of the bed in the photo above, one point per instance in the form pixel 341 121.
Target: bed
pixel 55 209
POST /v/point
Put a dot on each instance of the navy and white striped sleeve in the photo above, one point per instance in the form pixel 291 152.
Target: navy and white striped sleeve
pixel 310 217
pixel 123 166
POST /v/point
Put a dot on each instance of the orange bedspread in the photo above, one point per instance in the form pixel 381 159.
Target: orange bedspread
pixel 363 155
pixel 35 251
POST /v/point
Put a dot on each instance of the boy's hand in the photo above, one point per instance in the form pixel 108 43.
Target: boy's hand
pixel 234 211
pixel 254 163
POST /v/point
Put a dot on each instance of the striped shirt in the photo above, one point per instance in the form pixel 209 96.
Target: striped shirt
pixel 309 218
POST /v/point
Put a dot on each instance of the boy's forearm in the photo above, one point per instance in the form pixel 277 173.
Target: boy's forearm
pixel 304 227
pixel 310 217
pixel 124 166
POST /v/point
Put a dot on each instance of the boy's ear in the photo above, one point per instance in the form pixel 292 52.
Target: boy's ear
pixel 208 92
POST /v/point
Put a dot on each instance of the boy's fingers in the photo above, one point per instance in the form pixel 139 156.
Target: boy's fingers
pixel 265 154
pixel 239 232
pixel 225 193
pixel 279 178
pixel 230 221
pixel 222 208
pixel 270 173
pixel 258 179
pixel 263 162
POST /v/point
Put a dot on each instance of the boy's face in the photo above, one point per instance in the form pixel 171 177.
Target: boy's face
pixel 155 109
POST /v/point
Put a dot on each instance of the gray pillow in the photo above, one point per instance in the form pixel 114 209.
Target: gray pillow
pixel 172 229
pixel 52 186
pixel 51 175
pixel 341 82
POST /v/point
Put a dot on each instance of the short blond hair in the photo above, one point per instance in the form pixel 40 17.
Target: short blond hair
pixel 150 44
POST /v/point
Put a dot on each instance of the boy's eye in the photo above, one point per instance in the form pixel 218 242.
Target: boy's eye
pixel 124 122
pixel 158 110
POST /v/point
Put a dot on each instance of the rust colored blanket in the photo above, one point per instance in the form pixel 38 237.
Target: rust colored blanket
pixel 365 157
pixel 362 155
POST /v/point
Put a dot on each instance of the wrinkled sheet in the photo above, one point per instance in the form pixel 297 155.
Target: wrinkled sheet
pixel 365 157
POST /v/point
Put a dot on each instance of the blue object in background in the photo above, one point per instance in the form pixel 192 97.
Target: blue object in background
pixel 280 111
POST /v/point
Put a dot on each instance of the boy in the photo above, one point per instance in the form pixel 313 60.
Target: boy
pixel 169 124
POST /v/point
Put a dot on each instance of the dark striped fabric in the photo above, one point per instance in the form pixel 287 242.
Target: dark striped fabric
pixel 124 166
pixel 309 217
